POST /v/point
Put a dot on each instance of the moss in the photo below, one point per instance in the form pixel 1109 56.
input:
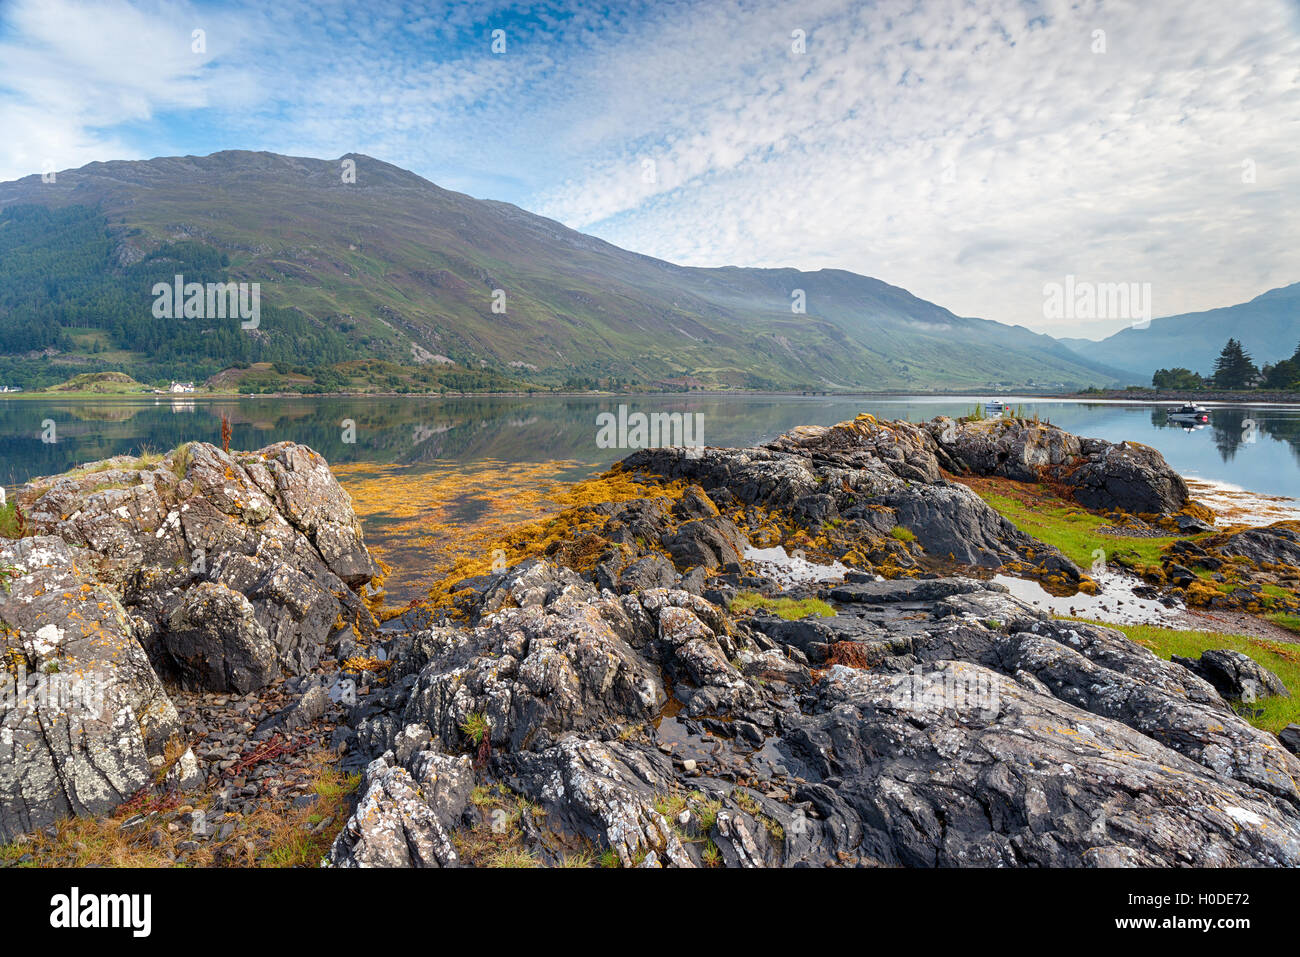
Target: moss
pixel 11 526
pixel 1287 621
pixel 902 534
pixel 787 608
pixel 711 856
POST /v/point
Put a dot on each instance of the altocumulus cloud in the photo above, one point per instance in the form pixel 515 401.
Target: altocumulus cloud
pixel 970 151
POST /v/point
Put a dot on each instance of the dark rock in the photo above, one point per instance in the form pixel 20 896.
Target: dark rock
pixel 706 543
pixel 1129 476
pixel 909 589
pixel 1276 544
pixel 216 642
pixel 972 730
pixel 1235 675
pixel 882 475
pixel 960 766
pixel 653 571
pixel 1191 525
pixel 1290 738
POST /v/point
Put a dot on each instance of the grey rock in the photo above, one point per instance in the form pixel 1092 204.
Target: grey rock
pixel 216 642
pixel 394 824
pixel 81 711
pixel 272 526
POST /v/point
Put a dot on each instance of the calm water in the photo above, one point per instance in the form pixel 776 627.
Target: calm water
pixel 1256 448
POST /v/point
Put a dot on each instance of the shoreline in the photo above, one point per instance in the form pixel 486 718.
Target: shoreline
pixel 1136 397
pixel 1148 396
pixel 537 394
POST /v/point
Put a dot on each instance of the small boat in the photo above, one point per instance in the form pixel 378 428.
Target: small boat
pixel 1190 412
pixel 995 409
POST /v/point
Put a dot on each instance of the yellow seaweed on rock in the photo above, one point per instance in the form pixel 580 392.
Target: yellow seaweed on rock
pixel 437 526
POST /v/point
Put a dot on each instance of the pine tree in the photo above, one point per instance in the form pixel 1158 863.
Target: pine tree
pixel 1234 369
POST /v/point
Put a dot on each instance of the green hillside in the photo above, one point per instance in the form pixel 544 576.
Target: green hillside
pixel 394 268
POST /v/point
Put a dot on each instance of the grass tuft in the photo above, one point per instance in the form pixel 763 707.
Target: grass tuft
pixel 787 608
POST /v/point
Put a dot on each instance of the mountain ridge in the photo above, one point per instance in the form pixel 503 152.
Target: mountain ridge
pixel 1268 326
pixel 407 271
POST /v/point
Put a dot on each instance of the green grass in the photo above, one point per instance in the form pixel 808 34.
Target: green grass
pixel 1282 659
pixel 787 608
pixel 1289 622
pixel 1075 531
pixel 475 728
pixel 902 534
pixel 9 520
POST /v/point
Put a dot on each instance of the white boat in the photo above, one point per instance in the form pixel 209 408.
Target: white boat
pixel 995 409
pixel 1189 412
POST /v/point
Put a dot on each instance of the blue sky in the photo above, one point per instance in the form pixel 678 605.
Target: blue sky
pixel 968 150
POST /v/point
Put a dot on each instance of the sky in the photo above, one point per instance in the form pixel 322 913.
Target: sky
pixel 974 152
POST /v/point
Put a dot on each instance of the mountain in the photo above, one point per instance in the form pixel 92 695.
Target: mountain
pixel 393 267
pixel 1268 327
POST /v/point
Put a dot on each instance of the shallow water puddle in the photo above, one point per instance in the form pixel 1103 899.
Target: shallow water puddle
pixel 1114 602
pixel 777 564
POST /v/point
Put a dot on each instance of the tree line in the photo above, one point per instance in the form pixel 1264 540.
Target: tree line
pixel 1234 369
pixel 61 283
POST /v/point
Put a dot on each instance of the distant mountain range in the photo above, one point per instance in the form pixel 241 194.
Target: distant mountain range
pixel 393 267
pixel 1268 327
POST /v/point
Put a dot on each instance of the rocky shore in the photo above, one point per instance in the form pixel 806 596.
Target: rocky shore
pixel 790 655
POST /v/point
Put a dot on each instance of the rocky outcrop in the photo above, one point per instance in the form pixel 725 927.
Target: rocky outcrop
pixel 1255 569
pixel 84 720
pixel 409 803
pixel 1274 546
pixel 1100 475
pixel 604 700
pixel 1026 779
pixel 232 566
pixel 202 569
pixel 854 484
pixel 930 722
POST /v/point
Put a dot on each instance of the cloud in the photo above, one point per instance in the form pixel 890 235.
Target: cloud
pixel 968 150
